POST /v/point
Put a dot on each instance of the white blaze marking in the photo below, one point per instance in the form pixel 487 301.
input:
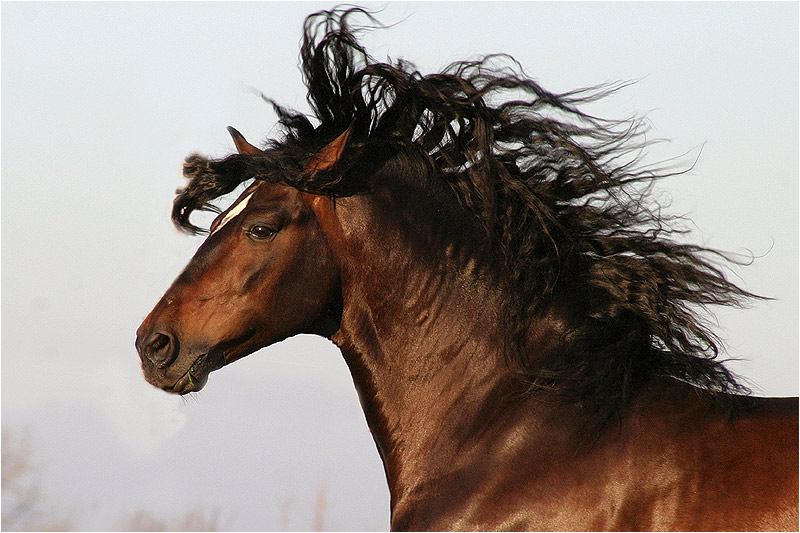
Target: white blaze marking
pixel 235 210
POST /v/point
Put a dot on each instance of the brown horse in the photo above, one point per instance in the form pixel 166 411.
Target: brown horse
pixel 519 324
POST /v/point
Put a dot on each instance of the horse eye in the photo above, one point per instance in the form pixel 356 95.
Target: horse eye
pixel 261 232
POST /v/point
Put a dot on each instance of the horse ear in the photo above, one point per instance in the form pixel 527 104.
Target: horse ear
pixel 328 156
pixel 241 143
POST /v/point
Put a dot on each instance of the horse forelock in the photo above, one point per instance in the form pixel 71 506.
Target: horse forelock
pixel 558 194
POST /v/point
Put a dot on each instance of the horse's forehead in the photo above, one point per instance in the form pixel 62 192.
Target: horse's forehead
pixel 237 207
pixel 256 194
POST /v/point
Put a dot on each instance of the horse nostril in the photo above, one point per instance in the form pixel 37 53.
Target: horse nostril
pixel 159 342
pixel 160 349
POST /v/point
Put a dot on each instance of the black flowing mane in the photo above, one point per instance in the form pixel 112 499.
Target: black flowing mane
pixel 558 197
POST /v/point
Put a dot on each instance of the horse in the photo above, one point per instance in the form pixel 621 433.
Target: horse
pixel 518 314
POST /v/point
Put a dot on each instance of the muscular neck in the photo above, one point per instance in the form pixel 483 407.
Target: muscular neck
pixel 420 337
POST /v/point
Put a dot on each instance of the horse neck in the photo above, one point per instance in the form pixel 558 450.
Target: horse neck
pixel 421 341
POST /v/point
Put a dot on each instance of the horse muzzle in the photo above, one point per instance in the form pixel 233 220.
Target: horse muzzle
pixel 183 367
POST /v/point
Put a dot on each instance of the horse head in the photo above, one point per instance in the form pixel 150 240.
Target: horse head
pixel 264 273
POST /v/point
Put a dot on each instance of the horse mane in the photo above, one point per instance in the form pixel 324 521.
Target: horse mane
pixel 559 197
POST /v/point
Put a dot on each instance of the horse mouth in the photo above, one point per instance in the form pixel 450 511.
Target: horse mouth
pixel 195 378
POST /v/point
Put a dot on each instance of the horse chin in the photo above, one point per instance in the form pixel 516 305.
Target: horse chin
pixel 191 381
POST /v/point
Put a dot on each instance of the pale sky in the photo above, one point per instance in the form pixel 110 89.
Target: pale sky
pixel 100 104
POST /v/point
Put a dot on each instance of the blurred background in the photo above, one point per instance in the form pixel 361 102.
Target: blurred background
pixel 102 101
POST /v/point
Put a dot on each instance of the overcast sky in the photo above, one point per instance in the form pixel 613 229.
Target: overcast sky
pixel 100 104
